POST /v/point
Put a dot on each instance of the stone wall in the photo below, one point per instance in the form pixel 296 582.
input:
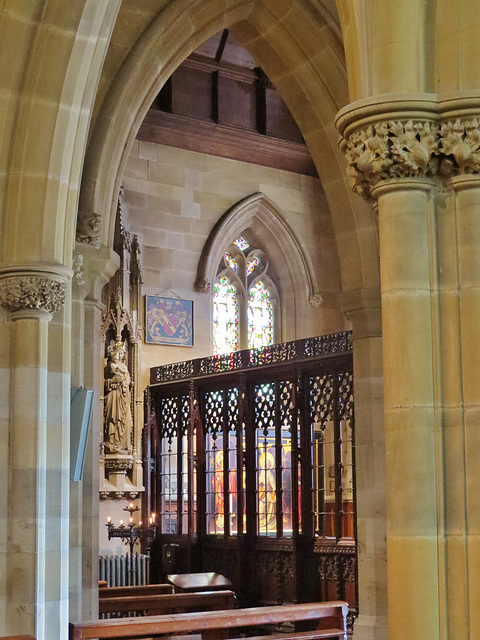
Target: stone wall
pixel 175 197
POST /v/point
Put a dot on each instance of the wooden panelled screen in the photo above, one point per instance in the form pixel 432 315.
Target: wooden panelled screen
pixel 252 461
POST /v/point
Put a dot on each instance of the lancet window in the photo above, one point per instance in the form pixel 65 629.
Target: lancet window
pixel 244 300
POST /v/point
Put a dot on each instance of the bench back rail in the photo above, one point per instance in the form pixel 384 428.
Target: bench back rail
pixel 328 616
pixel 164 603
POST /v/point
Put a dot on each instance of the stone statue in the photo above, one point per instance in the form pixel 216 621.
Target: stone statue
pixel 117 405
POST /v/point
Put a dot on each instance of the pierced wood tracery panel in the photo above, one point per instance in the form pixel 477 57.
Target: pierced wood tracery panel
pixel 277 429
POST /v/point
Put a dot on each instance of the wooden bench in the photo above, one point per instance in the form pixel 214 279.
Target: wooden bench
pixel 138 590
pixel 329 619
pixel 164 603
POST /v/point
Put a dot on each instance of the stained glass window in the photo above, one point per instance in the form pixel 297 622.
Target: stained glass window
pixel 251 264
pixel 225 317
pixel 230 261
pixel 244 299
pixel 241 243
pixel 260 317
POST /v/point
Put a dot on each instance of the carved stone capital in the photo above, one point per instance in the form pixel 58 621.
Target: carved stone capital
pixel 20 291
pixel 315 299
pixel 459 144
pixel 391 149
pixel 88 227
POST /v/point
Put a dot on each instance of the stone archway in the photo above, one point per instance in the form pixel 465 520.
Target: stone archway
pixel 301 51
pixel 301 69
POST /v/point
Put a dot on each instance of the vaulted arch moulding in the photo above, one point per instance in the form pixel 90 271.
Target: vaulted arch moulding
pixel 309 73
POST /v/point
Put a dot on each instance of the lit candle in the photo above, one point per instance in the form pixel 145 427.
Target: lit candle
pixel 130 519
pixel 140 523
pixel 109 520
pixel 131 505
pixel 121 523
pixel 153 518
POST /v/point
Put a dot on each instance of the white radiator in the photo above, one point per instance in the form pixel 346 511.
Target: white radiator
pixel 117 572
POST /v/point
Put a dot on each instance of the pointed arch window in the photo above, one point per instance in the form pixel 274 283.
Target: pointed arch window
pixel 225 316
pixel 245 300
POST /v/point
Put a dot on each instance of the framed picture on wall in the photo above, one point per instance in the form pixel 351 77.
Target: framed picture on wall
pixel 169 321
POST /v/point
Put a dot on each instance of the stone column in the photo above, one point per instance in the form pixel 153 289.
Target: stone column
pixel 459 260
pixel 363 309
pixel 37 561
pixel 392 159
pixel 95 268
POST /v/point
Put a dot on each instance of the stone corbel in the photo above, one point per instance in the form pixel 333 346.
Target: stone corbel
pixel 88 228
pixel 99 265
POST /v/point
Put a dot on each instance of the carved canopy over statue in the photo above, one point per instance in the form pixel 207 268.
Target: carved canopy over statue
pixel 117 403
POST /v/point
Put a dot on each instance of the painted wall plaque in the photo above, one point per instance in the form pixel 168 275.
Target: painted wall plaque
pixel 169 321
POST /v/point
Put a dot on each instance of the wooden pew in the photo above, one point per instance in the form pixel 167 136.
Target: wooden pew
pixel 164 603
pixel 330 619
pixel 138 590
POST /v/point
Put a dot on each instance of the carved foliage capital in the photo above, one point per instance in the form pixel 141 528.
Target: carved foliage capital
pixel 459 143
pixel 391 149
pixel 21 292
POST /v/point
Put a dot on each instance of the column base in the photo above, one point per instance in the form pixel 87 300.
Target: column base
pixel 370 628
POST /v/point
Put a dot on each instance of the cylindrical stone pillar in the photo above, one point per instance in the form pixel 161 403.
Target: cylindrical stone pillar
pixel 412 429
pixel 37 465
pixel 391 148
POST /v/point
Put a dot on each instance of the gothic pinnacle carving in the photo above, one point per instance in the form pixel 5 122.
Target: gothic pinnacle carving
pixel 32 292
pixel 459 143
pixel 391 149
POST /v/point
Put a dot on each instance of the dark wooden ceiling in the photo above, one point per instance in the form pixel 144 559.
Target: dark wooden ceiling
pixel 220 102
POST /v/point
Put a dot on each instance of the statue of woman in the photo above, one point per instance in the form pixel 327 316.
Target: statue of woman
pixel 117 405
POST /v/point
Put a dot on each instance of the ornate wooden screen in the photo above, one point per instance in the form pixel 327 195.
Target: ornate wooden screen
pixel 253 468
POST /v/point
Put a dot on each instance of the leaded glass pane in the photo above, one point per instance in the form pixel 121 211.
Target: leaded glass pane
pixel 169 464
pixel 225 317
pixel 321 414
pixel 241 243
pixel 345 413
pixel 265 459
pixel 184 463
pixel 230 262
pixel 260 317
pixel 252 263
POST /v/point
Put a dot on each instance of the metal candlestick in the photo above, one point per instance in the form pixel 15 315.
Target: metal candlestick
pixel 131 532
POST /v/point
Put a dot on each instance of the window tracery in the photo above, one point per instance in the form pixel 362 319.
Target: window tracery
pixel 244 300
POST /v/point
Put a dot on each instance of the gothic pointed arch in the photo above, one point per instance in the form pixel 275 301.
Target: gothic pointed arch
pixel 262 218
pixel 281 50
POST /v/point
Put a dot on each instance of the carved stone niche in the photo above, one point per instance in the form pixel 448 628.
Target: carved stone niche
pixel 121 474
